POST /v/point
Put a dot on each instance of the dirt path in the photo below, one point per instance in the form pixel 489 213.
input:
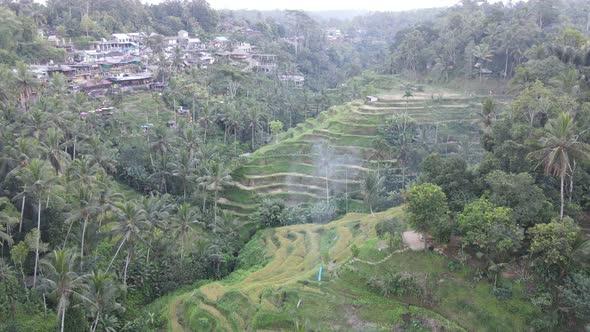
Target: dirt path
pixel 173 312
pixel 413 240
pixel 211 310
pixel 381 260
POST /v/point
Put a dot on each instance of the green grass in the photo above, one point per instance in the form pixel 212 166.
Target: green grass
pixel 460 299
pixel 350 129
pixel 279 269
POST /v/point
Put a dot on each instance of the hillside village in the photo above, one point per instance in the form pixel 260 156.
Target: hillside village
pixel 127 61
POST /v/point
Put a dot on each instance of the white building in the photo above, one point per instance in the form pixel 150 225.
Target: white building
pixel 296 80
pixel 182 35
pixel 121 38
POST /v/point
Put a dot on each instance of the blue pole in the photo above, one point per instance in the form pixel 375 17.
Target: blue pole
pixel 320 274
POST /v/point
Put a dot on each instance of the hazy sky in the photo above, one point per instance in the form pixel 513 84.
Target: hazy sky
pixel 372 5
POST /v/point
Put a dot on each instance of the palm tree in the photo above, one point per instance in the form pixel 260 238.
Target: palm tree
pixel 217 177
pixel 8 217
pixel 156 42
pixel 381 151
pixel 7 274
pixel 560 146
pixel 61 282
pixel 17 153
pixel 483 53
pixel 401 132
pixel 407 95
pixel 85 207
pixel 6 83
pixel 130 226
pixel 52 149
pixel 101 295
pixel 83 178
pixel 37 179
pixel 107 199
pixel 101 153
pixel 326 154
pixel 372 189
pixel 234 122
pixel 177 60
pixel 163 169
pixel 228 226
pixel 37 122
pixel 488 113
pixel 184 168
pixel 206 119
pixel 189 139
pixel 25 83
pixel 157 209
pixel 254 121
pixel 183 224
pixel 568 81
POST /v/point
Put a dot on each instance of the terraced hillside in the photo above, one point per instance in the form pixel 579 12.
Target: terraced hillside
pixel 328 156
pixel 277 288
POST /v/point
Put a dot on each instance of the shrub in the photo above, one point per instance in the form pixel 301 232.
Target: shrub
pixel 389 226
pixel 395 284
pixel 502 293
pixel 322 212
pixel 454 266
pixel 355 250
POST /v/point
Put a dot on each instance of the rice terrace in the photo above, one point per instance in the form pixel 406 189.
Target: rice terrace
pixel 296 165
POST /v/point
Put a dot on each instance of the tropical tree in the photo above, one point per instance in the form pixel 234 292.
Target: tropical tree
pixel 184 168
pixel 576 294
pixel 325 160
pixel 86 205
pixel 83 176
pixel 8 217
pixel 130 227
pixel 101 295
pixel 101 152
pixel 271 213
pixel 487 117
pixel 61 282
pixel 382 151
pixel 483 53
pixel 37 180
pixel 559 148
pixel 568 81
pixel 163 169
pixel 534 103
pixel 157 210
pixel 52 149
pixel 489 228
pixel 254 122
pixel 182 226
pixel 216 178
pixel 553 244
pixel 188 137
pixel 206 119
pixel 427 210
pixel 520 193
pixel 25 83
pixel 407 95
pixel 400 131
pixel 7 278
pixel 372 189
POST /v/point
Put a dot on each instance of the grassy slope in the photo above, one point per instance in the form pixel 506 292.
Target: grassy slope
pixel 290 167
pixel 281 269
